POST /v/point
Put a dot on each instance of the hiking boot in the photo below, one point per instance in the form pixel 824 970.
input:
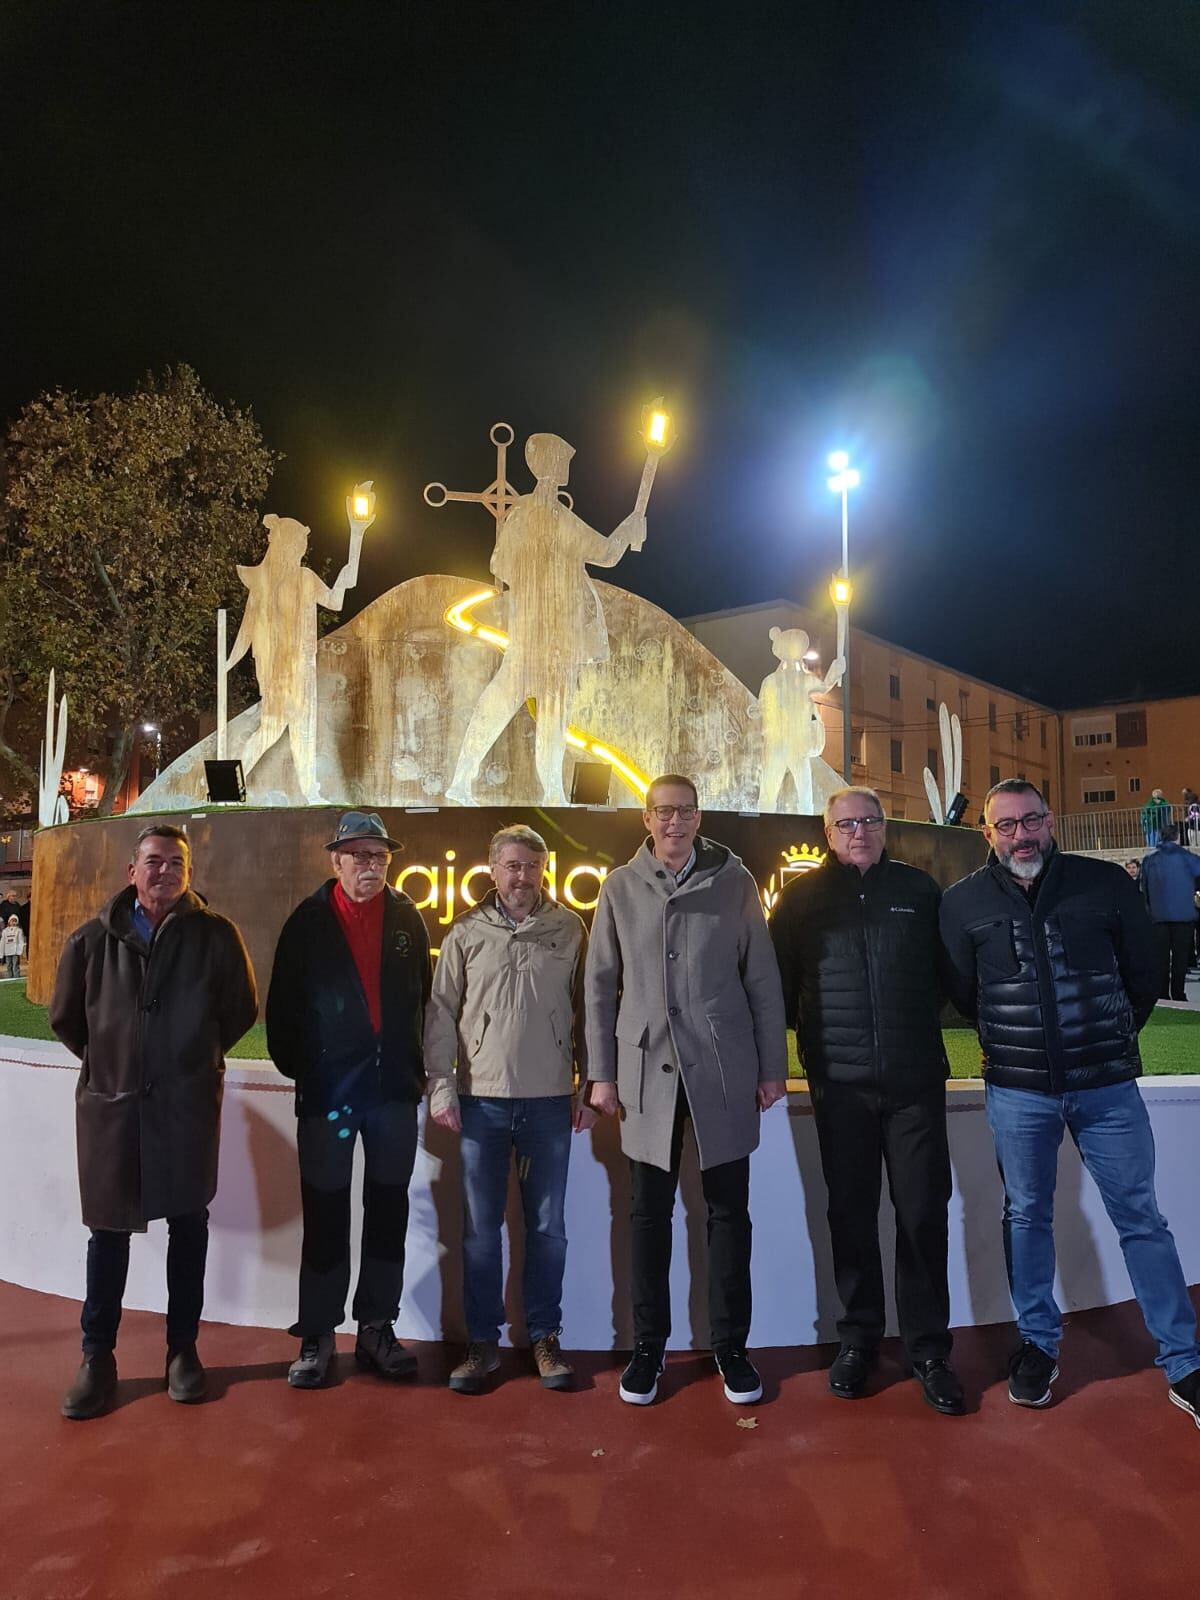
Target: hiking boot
pixel 1030 1373
pixel 378 1350
pixel 940 1386
pixel 742 1383
pixel 94 1388
pixel 471 1374
pixel 639 1381
pixel 185 1376
pixel 851 1368
pixel 312 1366
pixel 1186 1395
pixel 554 1370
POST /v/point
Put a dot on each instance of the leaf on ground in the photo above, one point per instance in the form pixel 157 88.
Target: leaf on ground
pixel 596 1453
pixel 747 1422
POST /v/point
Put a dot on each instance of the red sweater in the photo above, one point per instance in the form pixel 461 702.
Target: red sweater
pixel 362 924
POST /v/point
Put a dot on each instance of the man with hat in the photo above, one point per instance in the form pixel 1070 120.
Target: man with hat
pixel 345 1014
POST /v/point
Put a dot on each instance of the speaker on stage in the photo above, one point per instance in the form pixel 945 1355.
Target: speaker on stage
pixel 957 807
pixel 225 782
pixel 590 783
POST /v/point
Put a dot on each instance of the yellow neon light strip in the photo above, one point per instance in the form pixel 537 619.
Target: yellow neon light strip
pixel 457 616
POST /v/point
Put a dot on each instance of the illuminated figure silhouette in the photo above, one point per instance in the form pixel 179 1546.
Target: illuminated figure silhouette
pixel 793 733
pixel 555 623
pixel 279 628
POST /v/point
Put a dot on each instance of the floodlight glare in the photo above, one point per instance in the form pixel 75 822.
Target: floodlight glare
pixel 149 727
pixel 839 461
pixel 841 591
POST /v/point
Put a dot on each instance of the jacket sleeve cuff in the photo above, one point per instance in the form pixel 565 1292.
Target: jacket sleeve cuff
pixel 443 1095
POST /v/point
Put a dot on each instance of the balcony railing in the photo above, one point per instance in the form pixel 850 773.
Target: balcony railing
pixel 1120 829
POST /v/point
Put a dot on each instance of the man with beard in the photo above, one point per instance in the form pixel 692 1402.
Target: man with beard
pixel 1053 957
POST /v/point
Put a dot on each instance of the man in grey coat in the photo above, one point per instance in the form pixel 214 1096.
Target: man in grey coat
pixel 685 1023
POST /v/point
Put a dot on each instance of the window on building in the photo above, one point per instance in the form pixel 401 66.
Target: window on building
pixel 897 755
pixel 992 715
pixel 1086 740
pixel 1135 786
pixel 1099 797
pixel 1046 792
pixel 1131 729
pixel 894 685
pixel 1019 725
pixel 930 703
pixel 1042 726
pixel 931 756
pixel 899 808
pixel 993 777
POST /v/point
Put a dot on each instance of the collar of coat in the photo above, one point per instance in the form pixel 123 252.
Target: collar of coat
pixel 395 898
pixel 1049 874
pixel 547 910
pixel 847 876
pixel 711 858
pixel 117 916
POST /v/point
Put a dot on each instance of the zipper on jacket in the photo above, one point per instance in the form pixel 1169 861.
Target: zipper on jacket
pixel 878 1067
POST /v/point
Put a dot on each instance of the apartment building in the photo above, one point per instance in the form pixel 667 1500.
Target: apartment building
pixel 894 699
pixel 1114 756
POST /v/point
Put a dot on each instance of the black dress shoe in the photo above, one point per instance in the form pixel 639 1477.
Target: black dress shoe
pixel 940 1386
pixel 185 1376
pixel 94 1388
pixel 849 1373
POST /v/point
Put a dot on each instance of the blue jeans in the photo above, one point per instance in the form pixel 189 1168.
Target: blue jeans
pixel 540 1132
pixel 1112 1133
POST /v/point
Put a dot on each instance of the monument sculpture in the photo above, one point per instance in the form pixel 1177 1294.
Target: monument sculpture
pixel 279 628
pixel 950 729
pixel 555 621
pixel 792 731
pixel 52 806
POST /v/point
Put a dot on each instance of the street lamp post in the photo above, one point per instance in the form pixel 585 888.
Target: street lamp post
pixel 153 727
pixel 844 478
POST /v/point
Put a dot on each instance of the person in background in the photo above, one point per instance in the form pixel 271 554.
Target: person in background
pixel 1170 875
pixel 12 945
pixel 1155 814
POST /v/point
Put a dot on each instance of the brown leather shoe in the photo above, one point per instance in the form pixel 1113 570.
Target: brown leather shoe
pixel 378 1350
pixel 472 1373
pixel 94 1388
pixel 186 1381
pixel 555 1371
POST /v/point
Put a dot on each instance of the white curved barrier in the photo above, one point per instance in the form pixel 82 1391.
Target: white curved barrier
pixel 255 1238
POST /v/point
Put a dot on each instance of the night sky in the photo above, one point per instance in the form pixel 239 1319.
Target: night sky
pixel 962 240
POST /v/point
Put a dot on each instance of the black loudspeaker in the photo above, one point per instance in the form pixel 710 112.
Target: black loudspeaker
pixel 225 782
pixel 590 783
pixel 957 809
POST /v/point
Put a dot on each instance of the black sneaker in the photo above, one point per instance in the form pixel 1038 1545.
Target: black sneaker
pixel 1186 1395
pixel 1030 1373
pixel 742 1383
pixel 639 1381
pixel 312 1366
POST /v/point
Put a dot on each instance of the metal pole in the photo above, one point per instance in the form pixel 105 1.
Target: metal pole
pixel 222 698
pixel 846 759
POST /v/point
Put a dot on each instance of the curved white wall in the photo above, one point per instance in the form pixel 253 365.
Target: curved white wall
pixel 255 1242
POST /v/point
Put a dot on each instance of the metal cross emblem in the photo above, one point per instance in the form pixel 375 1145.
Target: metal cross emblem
pixel 499 497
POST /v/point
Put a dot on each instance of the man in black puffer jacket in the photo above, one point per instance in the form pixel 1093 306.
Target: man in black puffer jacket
pixel 860 958
pixel 1052 954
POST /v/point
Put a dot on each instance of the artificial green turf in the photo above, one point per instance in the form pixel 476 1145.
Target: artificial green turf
pixel 1170 1040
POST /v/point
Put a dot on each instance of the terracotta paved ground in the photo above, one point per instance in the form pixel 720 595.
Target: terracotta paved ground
pixel 372 1491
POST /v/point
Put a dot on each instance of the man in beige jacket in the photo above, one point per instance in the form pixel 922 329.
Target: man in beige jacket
pixel 685 1023
pixel 505 1008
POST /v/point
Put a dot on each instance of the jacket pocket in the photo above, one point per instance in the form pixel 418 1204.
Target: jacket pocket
pixel 475 1042
pixel 1087 942
pixel 995 949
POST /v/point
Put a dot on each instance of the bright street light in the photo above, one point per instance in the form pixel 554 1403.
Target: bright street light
pixel 845 477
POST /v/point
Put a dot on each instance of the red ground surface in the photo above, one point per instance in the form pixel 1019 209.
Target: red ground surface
pixel 408 1491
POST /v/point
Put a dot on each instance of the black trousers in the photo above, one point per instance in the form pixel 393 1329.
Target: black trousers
pixel 1173 948
pixel 860 1130
pixel 108 1268
pixel 325 1145
pixel 727 1196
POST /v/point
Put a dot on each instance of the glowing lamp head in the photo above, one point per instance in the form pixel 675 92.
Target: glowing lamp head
pixel 848 478
pixel 362 506
pixel 838 461
pixel 841 590
pixel 656 427
pixel 360 502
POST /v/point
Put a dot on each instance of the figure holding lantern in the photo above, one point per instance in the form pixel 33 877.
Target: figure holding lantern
pixel 555 622
pixel 279 628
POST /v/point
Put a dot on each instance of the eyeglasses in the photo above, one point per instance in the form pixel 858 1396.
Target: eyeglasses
pixel 368 858
pixel 847 825
pixel 684 813
pixel 1032 823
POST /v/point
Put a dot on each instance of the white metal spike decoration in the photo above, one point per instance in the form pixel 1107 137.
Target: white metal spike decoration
pixel 52 806
pixel 951 732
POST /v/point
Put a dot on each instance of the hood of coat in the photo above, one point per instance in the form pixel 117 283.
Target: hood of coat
pixel 117 916
pixel 711 860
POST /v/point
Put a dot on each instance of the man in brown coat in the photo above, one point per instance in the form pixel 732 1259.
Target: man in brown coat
pixel 685 1022
pixel 150 995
